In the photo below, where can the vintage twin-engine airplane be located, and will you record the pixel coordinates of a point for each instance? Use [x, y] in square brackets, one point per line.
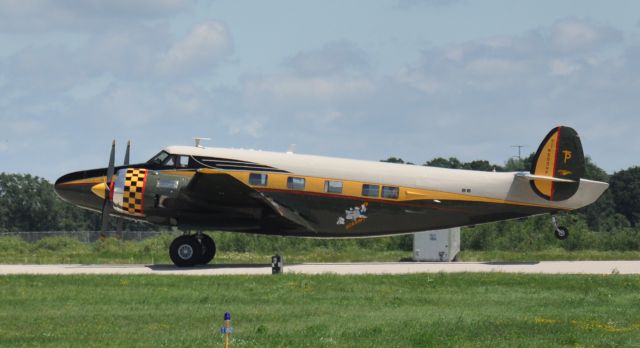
[197, 188]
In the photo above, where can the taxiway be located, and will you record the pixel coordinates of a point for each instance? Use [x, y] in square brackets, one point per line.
[546, 267]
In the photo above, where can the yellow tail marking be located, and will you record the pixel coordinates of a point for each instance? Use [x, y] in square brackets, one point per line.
[546, 164]
[567, 155]
[564, 172]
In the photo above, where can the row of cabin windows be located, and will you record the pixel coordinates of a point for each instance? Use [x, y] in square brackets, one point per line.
[296, 183]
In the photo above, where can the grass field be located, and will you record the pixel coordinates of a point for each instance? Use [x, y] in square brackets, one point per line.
[424, 310]
[155, 251]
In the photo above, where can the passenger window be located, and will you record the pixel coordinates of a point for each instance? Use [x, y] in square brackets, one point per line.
[295, 183]
[257, 179]
[183, 161]
[390, 192]
[370, 190]
[333, 186]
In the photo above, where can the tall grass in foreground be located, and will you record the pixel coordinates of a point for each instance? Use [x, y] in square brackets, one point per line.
[423, 310]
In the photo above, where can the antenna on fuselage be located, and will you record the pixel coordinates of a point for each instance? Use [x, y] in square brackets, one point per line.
[199, 141]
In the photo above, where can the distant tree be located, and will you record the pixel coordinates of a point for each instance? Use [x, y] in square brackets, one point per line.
[441, 162]
[625, 188]
[482, 165]
[454, 163]
[393, 160]
[396, 160]
[27, 203]
[601, 215]
[514, 164]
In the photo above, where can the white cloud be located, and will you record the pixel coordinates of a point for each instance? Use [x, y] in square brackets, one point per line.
[496, 67]
[48, 68]
[36, 16]
[561, 67]
[125, 8]
[250, 127]
[571, 35]
[128, 53]
[299, 90]
[199, 51]
[133, 53]
[333, 58]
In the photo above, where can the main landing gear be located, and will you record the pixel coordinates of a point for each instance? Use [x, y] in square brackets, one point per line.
[191, 250]
[561, 232]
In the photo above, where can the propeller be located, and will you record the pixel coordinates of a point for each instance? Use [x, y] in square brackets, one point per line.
[106, 204]
[126, 163]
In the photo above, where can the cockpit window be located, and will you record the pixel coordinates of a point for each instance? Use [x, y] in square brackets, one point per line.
[159, 158]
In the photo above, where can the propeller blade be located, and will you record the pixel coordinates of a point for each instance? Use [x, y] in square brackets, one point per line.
[105, 219]
[106, 205]
[120, 222]
[112, 161]
[126, 154]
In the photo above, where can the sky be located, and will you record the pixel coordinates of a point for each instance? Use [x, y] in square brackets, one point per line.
[415, 79]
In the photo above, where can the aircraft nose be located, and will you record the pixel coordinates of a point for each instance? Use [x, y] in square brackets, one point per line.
[75, 188]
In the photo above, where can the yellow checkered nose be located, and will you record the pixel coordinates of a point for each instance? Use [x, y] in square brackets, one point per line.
[128, 191]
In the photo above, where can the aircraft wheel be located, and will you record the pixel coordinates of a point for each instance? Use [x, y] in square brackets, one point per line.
[208, 249]
[562, 233]
[185, 251]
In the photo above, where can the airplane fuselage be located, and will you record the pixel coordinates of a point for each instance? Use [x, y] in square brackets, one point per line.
[314, 196]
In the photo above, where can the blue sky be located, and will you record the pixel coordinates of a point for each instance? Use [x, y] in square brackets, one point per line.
[410, 78]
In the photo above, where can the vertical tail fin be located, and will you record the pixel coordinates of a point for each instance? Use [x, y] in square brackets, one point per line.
[559, 156]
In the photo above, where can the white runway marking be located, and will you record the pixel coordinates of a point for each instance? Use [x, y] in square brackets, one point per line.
[546, 267]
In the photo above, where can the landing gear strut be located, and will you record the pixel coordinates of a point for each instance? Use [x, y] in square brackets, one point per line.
[190, 250]
[561, 232]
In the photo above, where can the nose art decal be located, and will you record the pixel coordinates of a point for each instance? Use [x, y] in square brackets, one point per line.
[134, 186]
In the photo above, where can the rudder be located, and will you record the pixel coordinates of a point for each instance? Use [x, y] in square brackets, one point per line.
[559, 156]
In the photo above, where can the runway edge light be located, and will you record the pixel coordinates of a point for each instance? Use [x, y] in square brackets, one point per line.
[276, 264]
[226, 329]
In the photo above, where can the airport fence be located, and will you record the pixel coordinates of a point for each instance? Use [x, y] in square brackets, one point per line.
[83, 236]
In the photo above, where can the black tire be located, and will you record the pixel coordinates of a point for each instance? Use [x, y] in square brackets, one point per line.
[208, 249]
[562, 233]
[185, 251]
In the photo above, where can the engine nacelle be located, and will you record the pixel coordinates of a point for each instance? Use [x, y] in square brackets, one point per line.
[140, 192]
[128, 191]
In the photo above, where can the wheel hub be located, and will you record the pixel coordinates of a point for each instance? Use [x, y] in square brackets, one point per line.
[185, 251]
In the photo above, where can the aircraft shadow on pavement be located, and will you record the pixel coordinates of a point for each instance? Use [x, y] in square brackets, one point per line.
[169, 267]
[514, 263]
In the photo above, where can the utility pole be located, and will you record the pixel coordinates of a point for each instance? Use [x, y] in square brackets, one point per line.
[519, 151]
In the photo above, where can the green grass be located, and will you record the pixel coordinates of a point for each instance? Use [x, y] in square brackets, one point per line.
[155, 251]
[424, 310]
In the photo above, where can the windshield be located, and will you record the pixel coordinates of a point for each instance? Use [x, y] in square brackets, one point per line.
[159, 158]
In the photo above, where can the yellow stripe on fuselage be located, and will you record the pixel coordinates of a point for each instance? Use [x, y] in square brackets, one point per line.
[278, 181]
[88, 181]
[350, 189]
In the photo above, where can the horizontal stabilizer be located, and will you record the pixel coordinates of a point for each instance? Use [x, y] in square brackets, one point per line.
[529, 176]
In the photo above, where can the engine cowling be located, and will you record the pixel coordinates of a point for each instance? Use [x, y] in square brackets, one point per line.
[128, 191]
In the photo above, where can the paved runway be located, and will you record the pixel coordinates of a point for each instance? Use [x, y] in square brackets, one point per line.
[547, 267]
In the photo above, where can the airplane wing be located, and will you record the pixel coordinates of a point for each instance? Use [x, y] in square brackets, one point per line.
[224, 191]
